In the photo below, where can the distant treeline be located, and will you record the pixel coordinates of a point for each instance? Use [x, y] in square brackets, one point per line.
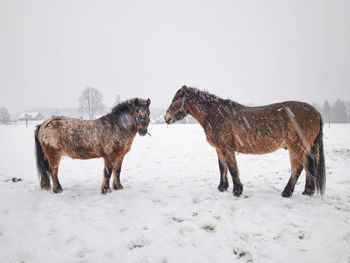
[337, 112]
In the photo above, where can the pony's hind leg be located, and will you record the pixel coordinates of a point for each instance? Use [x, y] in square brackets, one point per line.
[54, 161]
[223, 185]
[116, 175]
[296, 169]
[54, 158]
[107, 172]
[57, 188]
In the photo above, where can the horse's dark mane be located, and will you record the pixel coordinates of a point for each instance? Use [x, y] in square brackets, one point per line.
[202, 94]
[205, 96]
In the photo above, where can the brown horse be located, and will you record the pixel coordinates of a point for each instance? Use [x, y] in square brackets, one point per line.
[231, 127]
[109, 137]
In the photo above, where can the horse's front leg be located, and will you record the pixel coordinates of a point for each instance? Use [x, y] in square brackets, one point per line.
[230, 157]
[223, 185]
[107, 172]
[116, 175]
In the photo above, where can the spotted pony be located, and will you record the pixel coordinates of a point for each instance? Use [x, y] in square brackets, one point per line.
[109, 137]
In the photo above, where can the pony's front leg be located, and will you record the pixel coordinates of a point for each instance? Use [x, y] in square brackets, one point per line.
[116, 175]
[230, 157]
[223, 185]
[107, 172]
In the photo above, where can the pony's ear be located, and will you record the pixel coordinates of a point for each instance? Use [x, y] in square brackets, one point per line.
[183, 89]
[148, 102]
[136, 102]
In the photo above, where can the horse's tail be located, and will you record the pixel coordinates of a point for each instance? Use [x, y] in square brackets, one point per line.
[42, 163]
[316, 162]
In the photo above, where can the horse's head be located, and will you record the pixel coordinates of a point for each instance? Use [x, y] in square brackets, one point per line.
[141, 115]
[177, 109]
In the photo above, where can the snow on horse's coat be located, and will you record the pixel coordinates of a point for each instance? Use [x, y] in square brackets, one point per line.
[231, 127]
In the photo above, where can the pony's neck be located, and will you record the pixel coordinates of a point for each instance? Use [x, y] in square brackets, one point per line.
[124, 119]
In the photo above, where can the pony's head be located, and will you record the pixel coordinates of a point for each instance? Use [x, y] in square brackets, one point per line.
[140, 113]
[177, 109]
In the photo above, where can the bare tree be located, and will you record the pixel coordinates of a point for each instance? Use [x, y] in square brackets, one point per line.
[90, 102]
[4, 116]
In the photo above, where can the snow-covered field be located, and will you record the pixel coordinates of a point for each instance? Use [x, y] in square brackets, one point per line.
[170, 209]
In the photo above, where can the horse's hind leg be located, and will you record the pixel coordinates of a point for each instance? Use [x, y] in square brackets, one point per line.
[310, 179]
[107, 172]
[230, 158]
[116, 174]
[296, 160]
[223, 185]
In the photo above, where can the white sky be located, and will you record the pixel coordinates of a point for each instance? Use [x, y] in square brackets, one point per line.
[250, 51]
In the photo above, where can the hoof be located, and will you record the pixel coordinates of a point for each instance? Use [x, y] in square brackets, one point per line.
[237, 190]
[45, 186]
[105, 190]
[57, 189]
[222, 187]
[118, 187]
[309, 191]
[287, 194]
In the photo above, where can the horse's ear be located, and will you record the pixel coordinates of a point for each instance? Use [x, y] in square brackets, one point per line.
[184, 87]
[148, 102]
[136, 102]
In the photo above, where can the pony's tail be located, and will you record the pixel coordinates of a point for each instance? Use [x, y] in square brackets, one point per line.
[42, 164]
[317, 167]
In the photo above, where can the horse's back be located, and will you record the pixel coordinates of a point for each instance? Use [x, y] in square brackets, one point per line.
[297, 122]
[267, 128]
[304, 123]
[300, 113]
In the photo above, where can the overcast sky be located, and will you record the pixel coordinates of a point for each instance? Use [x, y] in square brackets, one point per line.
[250, 51]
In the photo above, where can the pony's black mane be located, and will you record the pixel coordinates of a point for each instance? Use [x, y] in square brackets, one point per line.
[127, 105]
[123, 106]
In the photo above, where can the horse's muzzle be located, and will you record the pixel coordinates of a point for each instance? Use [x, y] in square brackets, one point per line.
[169, 118]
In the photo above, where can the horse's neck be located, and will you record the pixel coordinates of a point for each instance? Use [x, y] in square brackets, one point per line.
[198, 111]
[209, 112]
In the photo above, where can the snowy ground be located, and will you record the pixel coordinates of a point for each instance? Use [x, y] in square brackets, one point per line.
[170, 209]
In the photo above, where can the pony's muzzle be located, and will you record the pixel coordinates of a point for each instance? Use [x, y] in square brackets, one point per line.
[142, 131]
[169, 119]
[141, 126]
